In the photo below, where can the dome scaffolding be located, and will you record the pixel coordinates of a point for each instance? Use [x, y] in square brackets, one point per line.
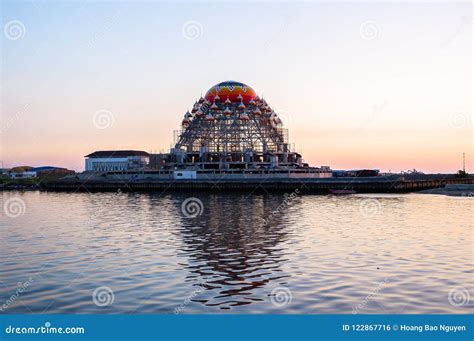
[231, 127]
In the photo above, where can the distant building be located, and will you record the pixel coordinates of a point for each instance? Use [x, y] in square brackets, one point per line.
[4, 171]
[22, 175]
[355, 173]
[50, 170]
[116, 160]
[36, 172]
[20, 172]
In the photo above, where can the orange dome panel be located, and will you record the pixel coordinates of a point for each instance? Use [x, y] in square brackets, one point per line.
[232, 90]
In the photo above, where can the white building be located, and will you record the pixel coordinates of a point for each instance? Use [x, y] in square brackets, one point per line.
[185, 174]
[23, 175]
[116, 160]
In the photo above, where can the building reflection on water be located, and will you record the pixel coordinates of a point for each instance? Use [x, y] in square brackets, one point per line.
[231, 252]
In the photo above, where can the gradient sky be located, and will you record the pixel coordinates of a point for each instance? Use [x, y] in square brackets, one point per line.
[359, 84]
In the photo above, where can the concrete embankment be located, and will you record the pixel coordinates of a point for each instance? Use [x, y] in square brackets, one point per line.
[457, 190]
[381, 184]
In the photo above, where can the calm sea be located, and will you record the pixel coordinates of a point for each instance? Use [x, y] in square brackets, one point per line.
[235, 253]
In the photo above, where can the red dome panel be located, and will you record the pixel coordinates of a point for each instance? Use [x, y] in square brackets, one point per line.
[231, 90]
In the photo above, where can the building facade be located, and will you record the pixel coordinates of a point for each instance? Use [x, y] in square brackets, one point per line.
[116, 160]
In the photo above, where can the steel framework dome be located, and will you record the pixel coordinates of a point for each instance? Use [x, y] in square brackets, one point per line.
[232, 118]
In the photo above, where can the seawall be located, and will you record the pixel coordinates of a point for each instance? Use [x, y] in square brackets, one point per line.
[392, 184]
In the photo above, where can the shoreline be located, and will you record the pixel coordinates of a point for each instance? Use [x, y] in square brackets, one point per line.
[381, 184]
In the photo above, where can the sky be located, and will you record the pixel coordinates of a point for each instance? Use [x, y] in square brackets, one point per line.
[384, 85]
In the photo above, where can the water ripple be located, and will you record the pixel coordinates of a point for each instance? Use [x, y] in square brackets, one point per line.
[321, 251]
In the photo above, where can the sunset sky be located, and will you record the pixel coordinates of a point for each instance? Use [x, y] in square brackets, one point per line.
[359, 84]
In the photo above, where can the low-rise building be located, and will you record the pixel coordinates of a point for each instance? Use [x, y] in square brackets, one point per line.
[27, 172]
[356, 173]
[20, 172]
[116, 160]
[4, 171]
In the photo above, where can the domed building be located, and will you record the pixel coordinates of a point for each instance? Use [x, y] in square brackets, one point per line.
[232, 129]
[231, 118]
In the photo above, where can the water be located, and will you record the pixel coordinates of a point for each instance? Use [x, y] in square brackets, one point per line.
[140, 253]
